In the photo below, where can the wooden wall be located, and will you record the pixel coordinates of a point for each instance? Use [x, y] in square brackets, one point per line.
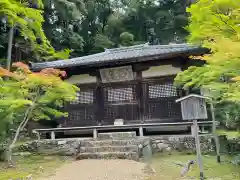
[150, 97]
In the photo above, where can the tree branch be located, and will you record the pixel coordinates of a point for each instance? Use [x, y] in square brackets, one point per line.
[27, 118]
[20, 128]
[226, 23]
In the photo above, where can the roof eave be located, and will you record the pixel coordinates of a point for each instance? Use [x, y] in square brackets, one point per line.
[192, 95]
[54, 64]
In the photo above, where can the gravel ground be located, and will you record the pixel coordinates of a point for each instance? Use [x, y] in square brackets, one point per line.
[100, 170]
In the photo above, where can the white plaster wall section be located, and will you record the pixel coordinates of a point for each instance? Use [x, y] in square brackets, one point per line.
[82, 79]
[163, 70]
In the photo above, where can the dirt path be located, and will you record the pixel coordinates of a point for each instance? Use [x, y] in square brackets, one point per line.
[100, 170]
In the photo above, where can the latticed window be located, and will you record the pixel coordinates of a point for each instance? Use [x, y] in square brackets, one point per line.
[82, 114]
[120, 94]
[162, 90]
[84, 97]
[120, 103]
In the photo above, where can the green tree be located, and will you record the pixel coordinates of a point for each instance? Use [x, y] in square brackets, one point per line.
[62, 24]
[157, 21]
[100, 43]
[35, 96]
[99, 24]
[215, 25]
[26, 18]
[126, 39]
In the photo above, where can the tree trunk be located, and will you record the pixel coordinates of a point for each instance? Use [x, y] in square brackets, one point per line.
[9, 150]
[8, 156]
[9, 53]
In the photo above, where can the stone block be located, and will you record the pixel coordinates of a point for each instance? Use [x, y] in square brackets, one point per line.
[108, 155]
[182, 143]
[129, 148]
[117, 135]
[107, 142]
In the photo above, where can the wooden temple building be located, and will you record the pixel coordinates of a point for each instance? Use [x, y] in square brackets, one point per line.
[133, 85]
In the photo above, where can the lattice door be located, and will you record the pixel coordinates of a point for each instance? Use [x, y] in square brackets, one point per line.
[120, 102]
[81, 112]
[161, 103]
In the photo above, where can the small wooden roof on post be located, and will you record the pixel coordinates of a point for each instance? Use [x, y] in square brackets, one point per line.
[193, 107]
[193, 95]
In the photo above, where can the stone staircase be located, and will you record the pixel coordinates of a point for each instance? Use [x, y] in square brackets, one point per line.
[116, 145]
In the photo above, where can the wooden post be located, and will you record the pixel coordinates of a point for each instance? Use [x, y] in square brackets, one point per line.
[38, 136]
[99, 111]
[141, 131]
[214, 133]
[95, 133]
[198, 150]
[52, 135]
[140, 95]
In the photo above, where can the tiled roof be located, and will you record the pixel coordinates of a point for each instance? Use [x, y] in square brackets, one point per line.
[124, 55]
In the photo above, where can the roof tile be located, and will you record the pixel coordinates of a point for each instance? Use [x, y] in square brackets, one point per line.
[123, 54]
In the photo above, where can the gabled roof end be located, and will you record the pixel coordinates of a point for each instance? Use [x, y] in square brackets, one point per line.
[192, 95]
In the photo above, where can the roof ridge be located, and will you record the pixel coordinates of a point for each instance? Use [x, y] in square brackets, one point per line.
[127, 47]
[76, 58]
[89, 56]
[172, 45]
[147, 46]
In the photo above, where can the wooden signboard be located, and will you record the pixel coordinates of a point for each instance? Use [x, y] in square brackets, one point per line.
[117, 74]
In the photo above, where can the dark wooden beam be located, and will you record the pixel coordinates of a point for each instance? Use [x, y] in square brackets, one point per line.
[141, 67]
[99, 101]
[95, 73]
[140, 95]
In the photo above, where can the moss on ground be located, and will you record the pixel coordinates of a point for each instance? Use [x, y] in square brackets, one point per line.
[37, 166]
[166, 169]
[229, 134]
[163, 164]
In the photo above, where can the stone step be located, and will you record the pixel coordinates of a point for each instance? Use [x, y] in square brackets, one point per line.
[129, 148]
[117, 135]
[110, 142]
[109, 155]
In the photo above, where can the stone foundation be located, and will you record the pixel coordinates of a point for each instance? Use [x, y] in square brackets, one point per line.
[50, 147]
[182, 143]
[141, 146]
[120, 148]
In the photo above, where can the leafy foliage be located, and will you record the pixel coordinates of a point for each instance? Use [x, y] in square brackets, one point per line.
[98, 24]
[32, 95]
[26, 17]
[236, 160]
[215, 25]
[82, 27]
[24, 89]
[228, 114]
[126, 39]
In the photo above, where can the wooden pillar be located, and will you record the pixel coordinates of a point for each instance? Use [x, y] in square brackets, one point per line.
[38, 136]
[140, 95]
[99, 102]
[95, 135]
[141, 131]
[52, 135]
[184, 66]
[214, 133]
